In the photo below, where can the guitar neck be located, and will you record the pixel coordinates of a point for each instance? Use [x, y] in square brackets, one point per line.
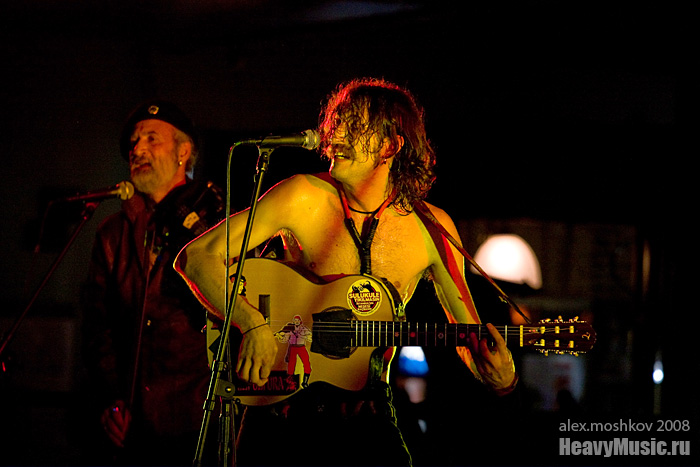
[398, 334]
[559, 336]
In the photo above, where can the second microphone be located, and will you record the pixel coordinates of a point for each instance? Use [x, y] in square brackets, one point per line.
[309, 139]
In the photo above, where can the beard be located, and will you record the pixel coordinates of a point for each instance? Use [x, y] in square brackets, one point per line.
[148, 178]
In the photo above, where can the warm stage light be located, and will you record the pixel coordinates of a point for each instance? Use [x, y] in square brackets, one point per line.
[509, 258]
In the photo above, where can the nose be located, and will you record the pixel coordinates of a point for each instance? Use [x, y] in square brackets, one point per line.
[339, 133]
[136, 148]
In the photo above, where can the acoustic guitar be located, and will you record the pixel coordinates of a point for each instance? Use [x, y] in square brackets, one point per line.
[346, 331]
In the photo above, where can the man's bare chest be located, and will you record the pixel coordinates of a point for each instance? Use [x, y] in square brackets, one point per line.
[397, 249]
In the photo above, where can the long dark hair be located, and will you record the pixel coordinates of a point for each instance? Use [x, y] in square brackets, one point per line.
[374, 106]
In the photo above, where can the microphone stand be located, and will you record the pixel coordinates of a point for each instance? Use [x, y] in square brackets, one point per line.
[86, 215]
[219, 387]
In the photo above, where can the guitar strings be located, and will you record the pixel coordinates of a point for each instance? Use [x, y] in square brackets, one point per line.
[369, 326]
[369, 333]
[532, 327]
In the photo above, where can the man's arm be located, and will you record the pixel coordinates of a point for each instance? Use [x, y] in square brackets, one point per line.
[492, 364]
[202, 263]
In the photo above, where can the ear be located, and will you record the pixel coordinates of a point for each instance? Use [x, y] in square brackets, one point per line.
[398, 144]
[391, 147]
[184, 152]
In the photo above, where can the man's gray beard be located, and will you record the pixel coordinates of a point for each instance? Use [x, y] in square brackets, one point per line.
[146, 184]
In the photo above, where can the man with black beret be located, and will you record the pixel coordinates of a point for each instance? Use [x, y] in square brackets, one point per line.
[144, 346]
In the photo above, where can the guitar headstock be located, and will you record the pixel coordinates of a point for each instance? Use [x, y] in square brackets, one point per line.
[560, 336]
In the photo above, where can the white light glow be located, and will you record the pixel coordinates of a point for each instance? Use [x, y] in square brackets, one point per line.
[509, 258]
[658, 373]
[413, 353]
[412, 361]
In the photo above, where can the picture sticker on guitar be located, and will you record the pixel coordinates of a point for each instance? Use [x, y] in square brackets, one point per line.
[363, 297]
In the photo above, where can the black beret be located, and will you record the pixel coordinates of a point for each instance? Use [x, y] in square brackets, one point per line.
[156, 109]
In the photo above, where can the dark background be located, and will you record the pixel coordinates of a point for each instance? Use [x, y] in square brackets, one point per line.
[569, 123]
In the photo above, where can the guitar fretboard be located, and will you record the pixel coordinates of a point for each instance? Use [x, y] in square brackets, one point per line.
[398, 334]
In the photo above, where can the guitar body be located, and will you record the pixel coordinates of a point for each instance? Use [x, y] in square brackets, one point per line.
[294, 303]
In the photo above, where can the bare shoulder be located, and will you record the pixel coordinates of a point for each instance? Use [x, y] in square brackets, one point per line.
[442, 216]
[304, 185]
[321, 181]
[297, 201]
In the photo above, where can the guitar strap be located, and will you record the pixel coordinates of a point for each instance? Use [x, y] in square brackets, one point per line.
[431, 223]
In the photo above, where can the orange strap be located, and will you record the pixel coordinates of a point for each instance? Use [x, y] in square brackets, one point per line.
[424, 214]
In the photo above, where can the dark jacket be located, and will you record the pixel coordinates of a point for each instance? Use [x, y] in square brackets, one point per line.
[172, 375]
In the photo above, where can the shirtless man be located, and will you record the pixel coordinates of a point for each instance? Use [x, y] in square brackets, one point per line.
[381, 165]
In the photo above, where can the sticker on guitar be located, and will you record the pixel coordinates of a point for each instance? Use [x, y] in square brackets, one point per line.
[296, 335]
[363, 298]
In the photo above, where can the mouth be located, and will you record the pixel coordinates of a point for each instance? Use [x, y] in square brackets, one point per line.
[340, 152]
[140, 166]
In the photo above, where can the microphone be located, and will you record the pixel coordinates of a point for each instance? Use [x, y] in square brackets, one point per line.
[309, 139]
[122, 190]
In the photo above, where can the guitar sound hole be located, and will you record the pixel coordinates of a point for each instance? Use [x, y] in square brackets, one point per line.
[332, 333]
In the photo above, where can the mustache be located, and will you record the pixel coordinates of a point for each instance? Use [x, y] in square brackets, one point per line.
[137, 158]
[345, 149]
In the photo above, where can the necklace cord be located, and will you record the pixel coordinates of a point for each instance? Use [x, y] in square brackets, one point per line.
[364, 246]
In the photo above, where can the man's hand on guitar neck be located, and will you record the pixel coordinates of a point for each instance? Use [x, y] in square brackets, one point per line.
[494, 362]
